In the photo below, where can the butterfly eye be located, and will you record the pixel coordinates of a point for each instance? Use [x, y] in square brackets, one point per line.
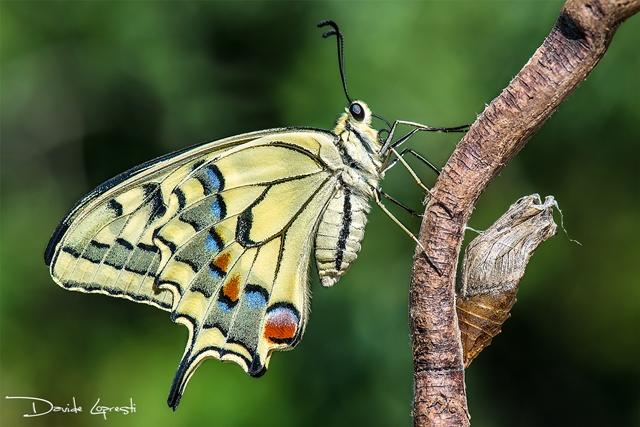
[357, 112]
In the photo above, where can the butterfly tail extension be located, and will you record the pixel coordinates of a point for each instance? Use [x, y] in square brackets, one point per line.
[200, 347]
[179, 382]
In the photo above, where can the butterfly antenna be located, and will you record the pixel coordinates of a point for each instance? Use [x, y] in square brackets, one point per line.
[383, 119]
[335, 31]
[385, 131]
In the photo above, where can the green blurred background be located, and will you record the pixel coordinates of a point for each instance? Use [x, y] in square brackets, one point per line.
[88, 90]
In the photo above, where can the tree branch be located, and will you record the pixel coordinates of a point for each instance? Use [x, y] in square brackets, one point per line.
[574, 46]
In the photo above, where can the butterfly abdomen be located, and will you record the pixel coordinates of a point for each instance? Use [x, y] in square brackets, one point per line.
[339, 234]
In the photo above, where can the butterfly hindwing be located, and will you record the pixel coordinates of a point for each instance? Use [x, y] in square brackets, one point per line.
[251, 299]
[219, 235]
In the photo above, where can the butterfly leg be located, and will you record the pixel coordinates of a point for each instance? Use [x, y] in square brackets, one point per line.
[377, 195]
[395, 162]
[411, 171]
[420, 126]
[417, 127]
[418, 156]
[398, 203]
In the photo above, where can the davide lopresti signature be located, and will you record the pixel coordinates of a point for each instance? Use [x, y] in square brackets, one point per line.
[38, 407]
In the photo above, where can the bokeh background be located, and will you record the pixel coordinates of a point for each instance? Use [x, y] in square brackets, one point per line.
[89, 89]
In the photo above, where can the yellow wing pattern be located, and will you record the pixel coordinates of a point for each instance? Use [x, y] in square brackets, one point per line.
[220, 235]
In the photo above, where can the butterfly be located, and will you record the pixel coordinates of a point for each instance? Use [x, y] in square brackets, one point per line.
[221, 234]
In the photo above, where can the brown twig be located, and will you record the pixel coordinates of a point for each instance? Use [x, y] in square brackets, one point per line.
[574, 46]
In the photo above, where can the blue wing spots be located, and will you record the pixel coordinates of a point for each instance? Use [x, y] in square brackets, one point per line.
[209, 176]
[215, 272]
[216, 181]
[218, 208]
[256, 296]
[224, 306]
[255, 300]
[213, 242]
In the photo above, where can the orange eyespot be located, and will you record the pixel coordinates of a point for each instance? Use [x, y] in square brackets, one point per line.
[222, 261]
[281, 324]
[231, 289]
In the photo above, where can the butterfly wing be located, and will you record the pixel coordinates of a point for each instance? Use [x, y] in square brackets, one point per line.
[220, 235]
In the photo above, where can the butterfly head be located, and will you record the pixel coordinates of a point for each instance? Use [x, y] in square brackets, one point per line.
[358, 143]
[357, 118]
[354, 128]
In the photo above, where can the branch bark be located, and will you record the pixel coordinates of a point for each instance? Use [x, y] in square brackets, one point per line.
[574, 46]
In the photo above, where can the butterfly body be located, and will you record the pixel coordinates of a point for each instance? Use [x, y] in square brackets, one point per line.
[221, 235]
[341, 228]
